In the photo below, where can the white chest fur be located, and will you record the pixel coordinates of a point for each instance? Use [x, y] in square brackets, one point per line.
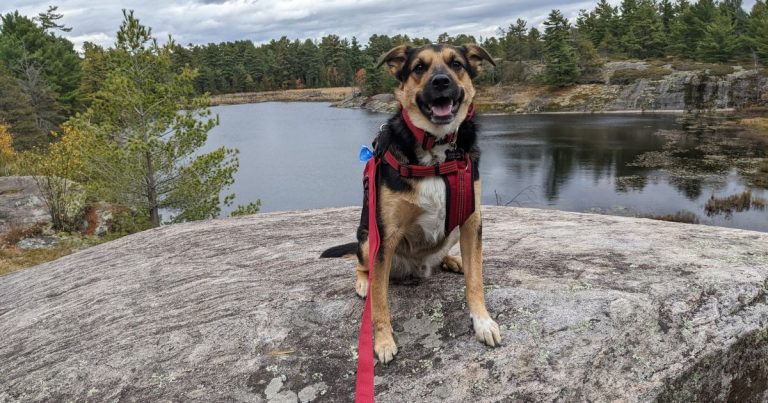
[431, 196]
[431, 199]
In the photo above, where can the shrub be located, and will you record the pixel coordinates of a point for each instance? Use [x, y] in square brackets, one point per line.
[629, 76]
[709, 68]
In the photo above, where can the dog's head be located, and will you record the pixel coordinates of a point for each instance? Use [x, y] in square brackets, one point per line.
[436, 82]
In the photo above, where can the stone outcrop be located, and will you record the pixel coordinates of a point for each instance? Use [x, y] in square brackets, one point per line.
[592, 308]
[617, 86]
[21, 203]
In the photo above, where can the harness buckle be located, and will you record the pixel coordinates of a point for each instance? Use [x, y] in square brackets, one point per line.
[454, 154]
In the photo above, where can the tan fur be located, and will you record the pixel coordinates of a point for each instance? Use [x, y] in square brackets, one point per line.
[406, 93]
[404, 240]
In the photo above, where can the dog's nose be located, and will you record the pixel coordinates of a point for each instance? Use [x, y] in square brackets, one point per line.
[441, 81]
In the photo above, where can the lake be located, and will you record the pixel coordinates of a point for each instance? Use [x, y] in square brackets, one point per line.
[304, 155]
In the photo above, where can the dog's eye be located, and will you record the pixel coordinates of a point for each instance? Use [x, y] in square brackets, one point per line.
[456, 65]
[419, 68]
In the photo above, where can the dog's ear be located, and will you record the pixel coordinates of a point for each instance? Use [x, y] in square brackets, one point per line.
[395, 60]
[475, 56]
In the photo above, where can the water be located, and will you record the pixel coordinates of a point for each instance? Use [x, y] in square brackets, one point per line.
[304, 155]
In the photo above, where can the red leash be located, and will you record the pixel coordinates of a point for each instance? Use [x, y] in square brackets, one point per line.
[461, 205]
[364, 385]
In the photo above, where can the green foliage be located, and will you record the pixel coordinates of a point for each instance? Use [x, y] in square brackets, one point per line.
[561, 69]
[710, 68]
[757, 31]
[16, 110]
[628, 76]
[377, 81]
[248, 209]
[152, 124]
[45, 63]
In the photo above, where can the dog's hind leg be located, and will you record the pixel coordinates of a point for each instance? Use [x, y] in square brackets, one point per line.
[452, 264]
[445, 260]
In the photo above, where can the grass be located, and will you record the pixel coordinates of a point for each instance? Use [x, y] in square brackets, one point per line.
[305, 94]
[629, 76]
[711, 68]
[13, 258]
[761, 124]
[681, 216]
[735, 203]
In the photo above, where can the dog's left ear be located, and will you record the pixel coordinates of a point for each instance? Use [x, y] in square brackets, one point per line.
[395, 60]
[475, 56]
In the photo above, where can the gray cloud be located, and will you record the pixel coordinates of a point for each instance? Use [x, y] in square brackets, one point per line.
[205, 21]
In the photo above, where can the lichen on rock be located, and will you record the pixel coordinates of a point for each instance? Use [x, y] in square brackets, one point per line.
[591, 308]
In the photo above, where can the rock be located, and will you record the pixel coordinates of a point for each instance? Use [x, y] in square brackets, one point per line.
[593, 308]
[377, 103]
[41, 242]
[20, 202]
[99, 218]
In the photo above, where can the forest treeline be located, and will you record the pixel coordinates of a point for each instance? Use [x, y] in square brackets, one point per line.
[124, 124]
[704, 30]
[44, 81]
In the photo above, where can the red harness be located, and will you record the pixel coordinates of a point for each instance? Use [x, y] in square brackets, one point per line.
[460, 197]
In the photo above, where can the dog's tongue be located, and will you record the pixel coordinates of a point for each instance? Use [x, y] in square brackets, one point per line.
[442, 110]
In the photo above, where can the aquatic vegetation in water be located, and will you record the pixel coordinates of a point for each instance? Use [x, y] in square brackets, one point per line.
[631, 182]
[696, 156]
[686, 217]
[735, 203]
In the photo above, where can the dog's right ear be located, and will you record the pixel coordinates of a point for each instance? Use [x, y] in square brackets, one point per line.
[395, 60]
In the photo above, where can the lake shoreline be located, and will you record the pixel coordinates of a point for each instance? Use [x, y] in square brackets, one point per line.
[339, 97]
[334, 94]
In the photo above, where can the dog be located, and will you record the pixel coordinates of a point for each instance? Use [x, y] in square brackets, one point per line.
[435, 92]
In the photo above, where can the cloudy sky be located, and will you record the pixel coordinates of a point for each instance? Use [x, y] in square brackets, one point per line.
[204, 21]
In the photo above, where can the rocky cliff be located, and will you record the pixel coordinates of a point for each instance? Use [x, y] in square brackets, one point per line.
[592, 308]
[618, 86]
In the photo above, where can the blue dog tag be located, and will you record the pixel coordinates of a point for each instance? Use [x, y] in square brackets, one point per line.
[365, 154]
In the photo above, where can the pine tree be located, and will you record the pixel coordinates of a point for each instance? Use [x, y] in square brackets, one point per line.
[720, 41]
[561, 69]
[28, 48]
[757, 30]
[150, 114]
[515, 41]
[16, 110]
[644, 35]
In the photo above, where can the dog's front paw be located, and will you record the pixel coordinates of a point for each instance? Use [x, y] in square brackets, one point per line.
[385, 348]
[452, 263]
[487, 331]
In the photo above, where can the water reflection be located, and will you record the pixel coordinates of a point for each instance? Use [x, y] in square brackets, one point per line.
[304, 155]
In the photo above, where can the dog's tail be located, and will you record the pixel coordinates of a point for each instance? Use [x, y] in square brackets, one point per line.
[348, 250]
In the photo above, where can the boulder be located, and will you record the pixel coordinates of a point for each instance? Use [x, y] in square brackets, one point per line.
[592, 308]
[21, 202]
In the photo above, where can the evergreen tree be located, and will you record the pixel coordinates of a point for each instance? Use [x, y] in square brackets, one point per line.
[156, 125]
[644, 36]
[16, 110]
[515, 41]
[667, 14]
[757, 30]
[561, 69]
[720, 41]
[535, 44]
[29, 51]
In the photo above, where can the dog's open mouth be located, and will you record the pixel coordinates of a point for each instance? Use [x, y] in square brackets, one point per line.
[441, 110]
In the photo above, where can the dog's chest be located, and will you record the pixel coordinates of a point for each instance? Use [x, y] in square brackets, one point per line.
[431, 197]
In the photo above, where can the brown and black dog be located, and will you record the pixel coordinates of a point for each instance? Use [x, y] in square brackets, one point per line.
[436, 91]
